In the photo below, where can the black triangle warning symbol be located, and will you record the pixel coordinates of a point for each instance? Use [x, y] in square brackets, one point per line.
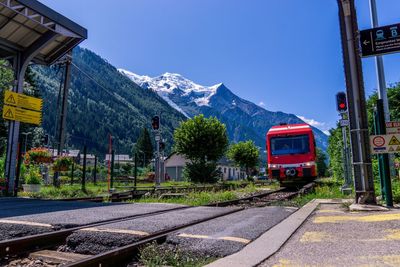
[394, 141]
[9, 114]
[11, 100]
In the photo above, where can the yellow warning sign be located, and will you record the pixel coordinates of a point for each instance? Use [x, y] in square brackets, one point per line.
[391, 149]
[398, 148]
[22, 115]
[394, 141]
[23, 101]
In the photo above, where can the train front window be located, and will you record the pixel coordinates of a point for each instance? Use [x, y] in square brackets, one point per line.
[287, 145]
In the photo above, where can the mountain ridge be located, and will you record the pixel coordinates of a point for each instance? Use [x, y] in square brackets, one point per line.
[244, 119]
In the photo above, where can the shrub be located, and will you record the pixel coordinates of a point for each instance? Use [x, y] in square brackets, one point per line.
[33, 175]
[62, 163]
[201, 172]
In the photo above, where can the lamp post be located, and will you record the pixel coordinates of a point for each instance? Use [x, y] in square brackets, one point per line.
[26, 139]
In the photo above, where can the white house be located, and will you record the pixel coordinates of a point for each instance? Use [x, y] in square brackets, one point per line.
[175, 163]
[119, 159]
[90, 158]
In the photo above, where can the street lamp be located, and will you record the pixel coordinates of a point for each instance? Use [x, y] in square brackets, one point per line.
[26, 139]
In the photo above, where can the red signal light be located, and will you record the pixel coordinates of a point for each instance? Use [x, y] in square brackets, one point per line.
[341, 102]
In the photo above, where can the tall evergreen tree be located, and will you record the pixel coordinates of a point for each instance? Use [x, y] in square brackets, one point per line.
[144, 148]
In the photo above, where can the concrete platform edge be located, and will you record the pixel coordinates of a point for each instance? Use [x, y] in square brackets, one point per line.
[257, 251]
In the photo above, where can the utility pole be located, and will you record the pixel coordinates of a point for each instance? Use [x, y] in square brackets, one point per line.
[380, 73]
[64, 105]
[84, 169]
[359, 136]
[95, 170]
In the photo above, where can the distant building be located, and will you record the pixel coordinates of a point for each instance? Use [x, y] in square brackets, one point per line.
[119, 159]
[74, 154]
[175, 163]
[90, 158]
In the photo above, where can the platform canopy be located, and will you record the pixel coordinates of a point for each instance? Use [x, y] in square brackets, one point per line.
[26, 25]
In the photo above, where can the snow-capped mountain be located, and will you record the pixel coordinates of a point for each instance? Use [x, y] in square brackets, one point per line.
[244, 120]
[173, 85]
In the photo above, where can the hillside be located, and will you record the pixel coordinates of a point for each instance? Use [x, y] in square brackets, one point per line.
[109, 103]
[244, 119]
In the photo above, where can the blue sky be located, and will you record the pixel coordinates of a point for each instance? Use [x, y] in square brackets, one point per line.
[284, 55]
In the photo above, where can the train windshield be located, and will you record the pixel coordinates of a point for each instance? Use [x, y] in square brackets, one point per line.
[298, 144]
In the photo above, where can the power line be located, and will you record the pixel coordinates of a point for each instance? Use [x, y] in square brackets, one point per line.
[101, 86]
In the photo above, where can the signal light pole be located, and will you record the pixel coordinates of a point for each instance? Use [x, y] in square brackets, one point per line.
[359, 136]
[155, 123]
[341, 105]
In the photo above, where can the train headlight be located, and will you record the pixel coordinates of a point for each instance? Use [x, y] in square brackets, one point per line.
[309, 164]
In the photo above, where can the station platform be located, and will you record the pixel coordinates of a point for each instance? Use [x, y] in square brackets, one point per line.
[325, 233]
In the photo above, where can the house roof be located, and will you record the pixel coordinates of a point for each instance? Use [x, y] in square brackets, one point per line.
[119, 157]
[24, 24]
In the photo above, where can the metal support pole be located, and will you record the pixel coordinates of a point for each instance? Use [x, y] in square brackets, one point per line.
[112, 169]
[346, 188]
[20, 64]
[157, 161]
[95, 170]
[64, 105]
[135, 171]
[84, 169]
[359, 136]
[384, 170]
[380, 73]
[72, 173]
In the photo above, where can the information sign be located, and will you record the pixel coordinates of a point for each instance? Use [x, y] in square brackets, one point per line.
[392, 127]
[22, 115]
[388, 143]
[381, 40]
[22, 101]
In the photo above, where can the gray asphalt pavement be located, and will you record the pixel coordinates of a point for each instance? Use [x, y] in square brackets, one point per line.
[56, 215]
[106, 237]
[229, 234]
[333, 236]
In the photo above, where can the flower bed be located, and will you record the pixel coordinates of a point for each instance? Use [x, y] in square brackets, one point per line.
[38, 155]
[62, 163]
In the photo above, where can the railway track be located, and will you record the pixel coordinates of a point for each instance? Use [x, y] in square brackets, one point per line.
[138, 192]
[123, 255]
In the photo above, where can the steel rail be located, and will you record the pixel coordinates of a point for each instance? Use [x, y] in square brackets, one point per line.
[122, 255]
[21, 245]
[236, 201]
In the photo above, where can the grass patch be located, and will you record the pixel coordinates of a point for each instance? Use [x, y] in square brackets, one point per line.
[154, 255]
[67, 191]
[204, 198]
[328, 189]
[395, 190]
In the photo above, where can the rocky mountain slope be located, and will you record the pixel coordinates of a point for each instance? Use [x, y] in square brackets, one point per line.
[244, 119]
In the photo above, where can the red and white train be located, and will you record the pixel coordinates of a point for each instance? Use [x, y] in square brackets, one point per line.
[291, 153]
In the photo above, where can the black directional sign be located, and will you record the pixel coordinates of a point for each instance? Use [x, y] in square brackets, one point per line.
[381, 40]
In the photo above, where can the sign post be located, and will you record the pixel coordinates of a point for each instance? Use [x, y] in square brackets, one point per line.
[19, 107]
[380, 40]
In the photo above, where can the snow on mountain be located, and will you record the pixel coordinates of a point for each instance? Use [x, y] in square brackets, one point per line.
[173, 83]
[244, 119]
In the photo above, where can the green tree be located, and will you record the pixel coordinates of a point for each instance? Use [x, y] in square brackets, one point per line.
[321, 163]
[244, 154]
[335, 150]
[6, 79]
[203, 141]
[144, 148]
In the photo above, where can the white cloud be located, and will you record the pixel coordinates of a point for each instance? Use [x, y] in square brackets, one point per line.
[312, 122]
[326, 132]
[261, 104]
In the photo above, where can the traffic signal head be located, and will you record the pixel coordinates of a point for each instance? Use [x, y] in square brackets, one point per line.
[155, 123]
[341, 102]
